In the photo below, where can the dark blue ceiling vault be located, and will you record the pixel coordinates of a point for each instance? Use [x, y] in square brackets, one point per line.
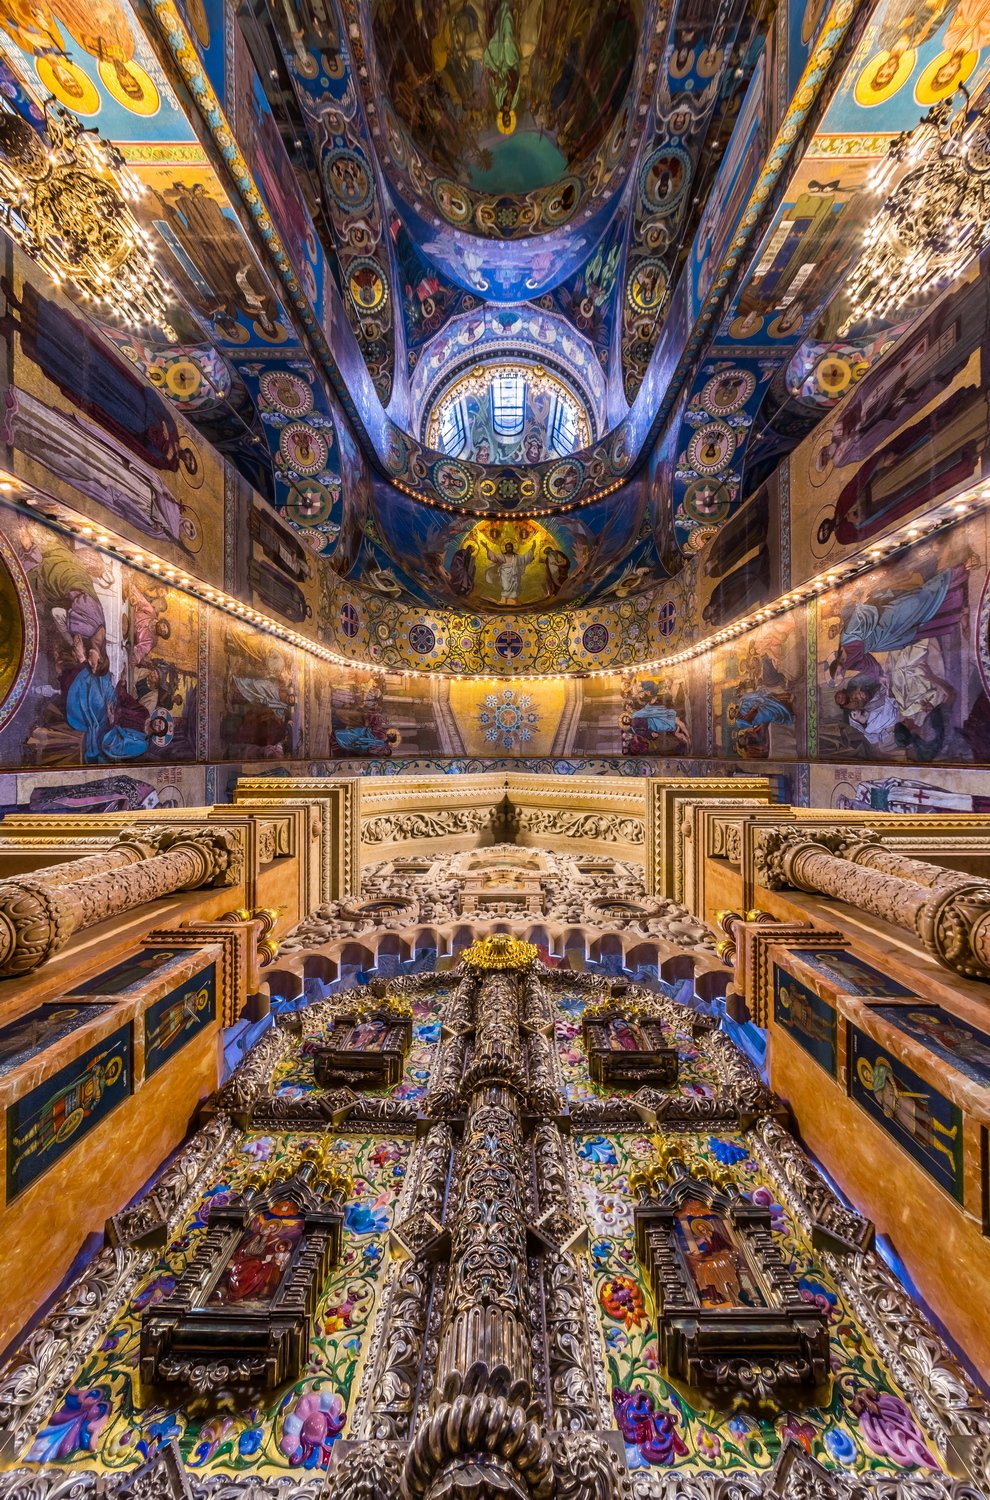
[632, 194]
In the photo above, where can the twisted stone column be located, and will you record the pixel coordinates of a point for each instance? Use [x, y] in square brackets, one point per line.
[949, 911]
[41, 911]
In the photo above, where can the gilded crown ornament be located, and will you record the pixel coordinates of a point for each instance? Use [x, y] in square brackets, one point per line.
[67, 202]
[499, 951]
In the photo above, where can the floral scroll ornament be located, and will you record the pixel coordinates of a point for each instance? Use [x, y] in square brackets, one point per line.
[508, 719]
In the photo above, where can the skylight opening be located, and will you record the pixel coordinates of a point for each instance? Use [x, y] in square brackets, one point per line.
[509, 413]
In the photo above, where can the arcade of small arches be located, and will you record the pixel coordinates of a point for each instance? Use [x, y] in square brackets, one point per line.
[582, 913]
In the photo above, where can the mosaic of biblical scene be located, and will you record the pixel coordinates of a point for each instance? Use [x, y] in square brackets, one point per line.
[921, 1119]
[805, 1016]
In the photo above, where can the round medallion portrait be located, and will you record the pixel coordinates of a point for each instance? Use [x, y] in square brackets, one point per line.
[646, 285]
[303, 448]
[663, 179]
[728, 392]
[453, 480]
[348, 180]
[366, 285]
[452, 202]
[561, 201]
[711, 448]
[563, 481]
[285, 393]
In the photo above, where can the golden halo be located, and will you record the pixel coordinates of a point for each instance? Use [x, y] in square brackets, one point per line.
[833, 374]
[506, 129]
[867, 94]
[197, 15]
[86, 102]
[148, 103]
[928, 91]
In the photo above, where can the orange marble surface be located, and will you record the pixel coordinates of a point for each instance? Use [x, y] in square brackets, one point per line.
[940, 1241]
[44, 1228]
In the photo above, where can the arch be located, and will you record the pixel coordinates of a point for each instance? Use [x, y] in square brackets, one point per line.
[575, 942]
[283, 984]
[643, 956]
[391, 945]
[681, 966]
[609, 945]
[356, 956]
[463, 938]
[319, 966]
[713, 984]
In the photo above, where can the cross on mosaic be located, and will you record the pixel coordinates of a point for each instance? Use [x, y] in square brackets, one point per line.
[495, 750]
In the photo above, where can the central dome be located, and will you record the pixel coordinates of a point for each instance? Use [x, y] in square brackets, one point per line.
[506, 96]
[508, 412]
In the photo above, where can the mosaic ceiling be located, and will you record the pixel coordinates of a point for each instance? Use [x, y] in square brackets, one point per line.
[355, 204]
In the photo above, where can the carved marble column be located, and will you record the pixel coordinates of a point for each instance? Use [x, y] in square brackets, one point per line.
[574, 1404]
[486, 1316]
[874, 855]
[41, 911]
[951, 917]
[395, 1377]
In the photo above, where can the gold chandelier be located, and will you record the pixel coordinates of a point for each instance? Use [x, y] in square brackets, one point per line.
[935, 220]
[67, 204]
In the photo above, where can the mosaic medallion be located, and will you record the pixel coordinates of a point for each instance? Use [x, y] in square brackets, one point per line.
[728, 392]
[310, 504]
[452, 202]
[711, 448]
[595, 638]
[706, 501]
[563, 481]
[663, 179]
[421, 638]
[367, 285]
[285, 393]
[303, 448]
[508, 643]
[454, 481]
[646, 285]
[348, 180]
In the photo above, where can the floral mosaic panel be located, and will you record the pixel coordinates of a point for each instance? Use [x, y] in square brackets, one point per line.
[107, 1421]
[294, 1075]
[695, 1074]
[866, 1427]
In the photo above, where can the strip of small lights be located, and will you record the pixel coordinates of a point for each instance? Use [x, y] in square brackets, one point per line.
[31, 502]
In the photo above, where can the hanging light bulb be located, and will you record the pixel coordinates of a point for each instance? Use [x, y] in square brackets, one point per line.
[68, 205]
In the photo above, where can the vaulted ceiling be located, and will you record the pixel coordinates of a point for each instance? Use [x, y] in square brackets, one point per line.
[653, 203]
